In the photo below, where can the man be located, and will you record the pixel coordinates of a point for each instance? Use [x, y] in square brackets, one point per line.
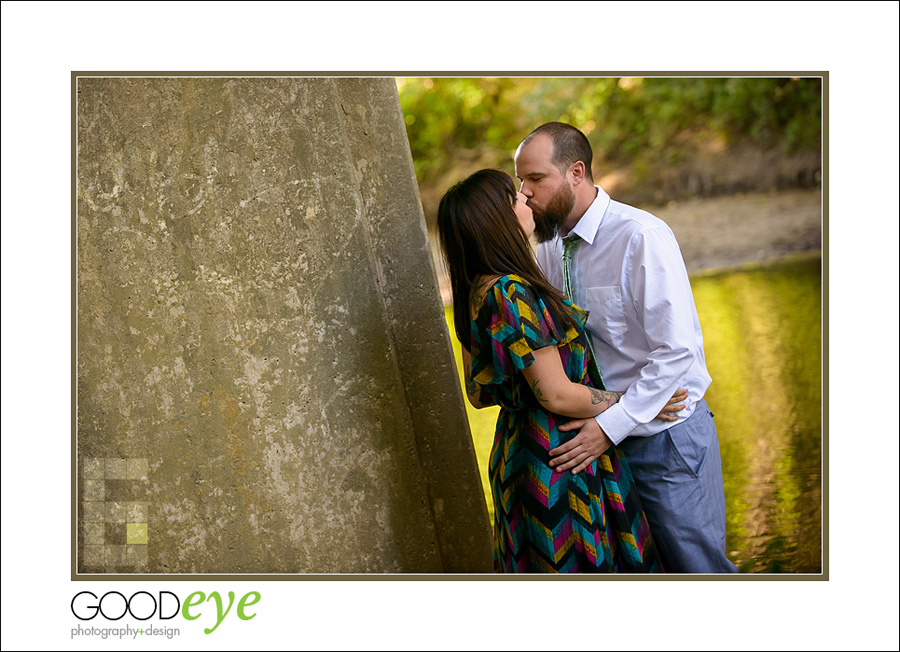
[625, 267]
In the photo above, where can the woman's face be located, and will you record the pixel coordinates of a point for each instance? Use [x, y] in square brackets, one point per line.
[524, 215]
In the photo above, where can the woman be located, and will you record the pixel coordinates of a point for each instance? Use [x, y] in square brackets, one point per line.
[525, 349]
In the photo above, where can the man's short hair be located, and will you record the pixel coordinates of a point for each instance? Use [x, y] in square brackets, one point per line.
[569, 145]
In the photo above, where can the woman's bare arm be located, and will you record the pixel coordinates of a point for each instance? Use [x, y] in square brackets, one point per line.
[558, 394]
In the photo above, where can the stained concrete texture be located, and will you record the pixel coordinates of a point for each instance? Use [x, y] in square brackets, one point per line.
[265, 383]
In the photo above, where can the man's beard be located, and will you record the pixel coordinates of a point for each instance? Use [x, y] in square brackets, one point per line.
[548, 219]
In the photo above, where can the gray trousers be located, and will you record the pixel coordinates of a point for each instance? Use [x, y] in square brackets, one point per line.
[678, 475]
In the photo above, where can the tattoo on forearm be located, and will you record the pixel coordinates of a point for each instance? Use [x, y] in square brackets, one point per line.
[537, 391]
[599, 397]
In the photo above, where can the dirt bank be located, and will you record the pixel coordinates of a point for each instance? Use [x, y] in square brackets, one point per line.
[742, 228]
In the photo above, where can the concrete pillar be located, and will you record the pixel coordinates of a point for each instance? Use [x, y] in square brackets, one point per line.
[264, 379]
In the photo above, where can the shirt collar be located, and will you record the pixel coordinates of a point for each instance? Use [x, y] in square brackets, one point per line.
[587, 226]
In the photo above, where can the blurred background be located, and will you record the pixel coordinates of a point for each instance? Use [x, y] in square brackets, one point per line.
[733, 165]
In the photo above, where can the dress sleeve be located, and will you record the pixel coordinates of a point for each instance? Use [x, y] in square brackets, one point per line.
[512, 323]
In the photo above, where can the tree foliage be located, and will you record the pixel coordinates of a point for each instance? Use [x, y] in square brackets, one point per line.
[632, 123]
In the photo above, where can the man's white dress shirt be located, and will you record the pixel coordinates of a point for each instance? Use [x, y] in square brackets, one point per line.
[630, 275]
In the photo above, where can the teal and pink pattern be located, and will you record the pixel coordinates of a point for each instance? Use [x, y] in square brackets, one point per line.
[546, 521]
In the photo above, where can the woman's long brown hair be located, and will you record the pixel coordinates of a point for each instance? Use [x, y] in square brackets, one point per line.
[481, 236]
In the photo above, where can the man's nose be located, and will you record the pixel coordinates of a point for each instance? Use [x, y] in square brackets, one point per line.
[526, 190]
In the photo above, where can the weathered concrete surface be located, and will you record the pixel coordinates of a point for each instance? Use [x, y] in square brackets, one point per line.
[260, 337]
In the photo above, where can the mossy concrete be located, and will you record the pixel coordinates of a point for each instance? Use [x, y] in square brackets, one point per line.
[260, 329]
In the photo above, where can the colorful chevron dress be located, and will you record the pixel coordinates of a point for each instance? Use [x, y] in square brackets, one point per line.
[546, 521]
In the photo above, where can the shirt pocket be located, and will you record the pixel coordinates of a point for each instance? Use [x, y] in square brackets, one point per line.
[607, 318]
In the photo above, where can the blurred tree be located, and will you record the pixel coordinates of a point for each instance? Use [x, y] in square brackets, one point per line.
[656, 133]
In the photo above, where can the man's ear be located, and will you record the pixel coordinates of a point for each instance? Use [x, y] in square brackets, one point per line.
[577, 170]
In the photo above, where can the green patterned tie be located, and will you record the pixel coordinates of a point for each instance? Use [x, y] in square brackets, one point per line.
[569, 246]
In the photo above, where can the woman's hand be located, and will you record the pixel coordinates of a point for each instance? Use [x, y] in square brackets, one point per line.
[674, 405]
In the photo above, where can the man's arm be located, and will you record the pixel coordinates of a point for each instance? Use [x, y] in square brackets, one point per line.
[661, 294]
[591, 442]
